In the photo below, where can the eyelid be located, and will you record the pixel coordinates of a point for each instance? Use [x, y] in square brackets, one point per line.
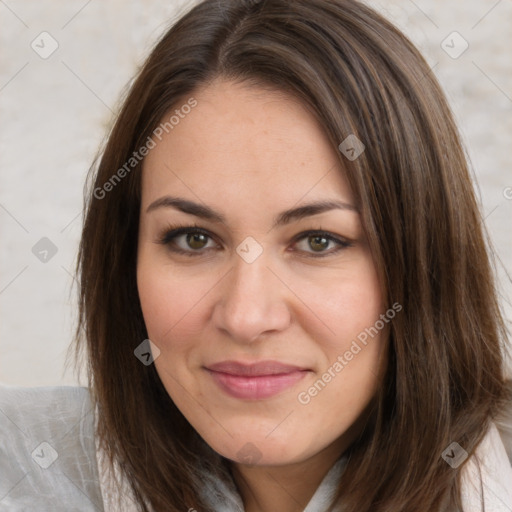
[342, 242]
[172, 232]
[320, 232]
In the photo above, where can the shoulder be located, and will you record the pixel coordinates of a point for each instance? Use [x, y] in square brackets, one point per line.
[43, 397]
[47, 449]
[487, 476]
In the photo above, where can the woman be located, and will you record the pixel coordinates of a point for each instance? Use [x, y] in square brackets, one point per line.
[286, 297]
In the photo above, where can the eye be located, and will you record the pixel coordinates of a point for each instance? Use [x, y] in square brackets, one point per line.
[189, 240]
[320, 243]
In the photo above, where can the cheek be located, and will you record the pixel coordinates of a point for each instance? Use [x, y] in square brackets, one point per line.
[344, 305]
[173, 312]
[172, 304]
[353, 351]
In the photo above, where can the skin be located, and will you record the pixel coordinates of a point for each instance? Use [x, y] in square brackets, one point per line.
[249, 153]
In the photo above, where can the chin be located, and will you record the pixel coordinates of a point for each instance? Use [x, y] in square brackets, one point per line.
[256, 450]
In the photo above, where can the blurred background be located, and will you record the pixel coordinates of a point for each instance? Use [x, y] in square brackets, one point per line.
[64, 66]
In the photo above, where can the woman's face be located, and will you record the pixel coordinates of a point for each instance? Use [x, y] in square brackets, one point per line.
[257, 314]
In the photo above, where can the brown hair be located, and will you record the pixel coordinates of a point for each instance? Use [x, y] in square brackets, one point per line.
[359, 75]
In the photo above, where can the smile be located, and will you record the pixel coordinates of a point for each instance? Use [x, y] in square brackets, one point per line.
[256, 381]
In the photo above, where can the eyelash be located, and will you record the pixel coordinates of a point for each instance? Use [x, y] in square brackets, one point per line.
[173, 232]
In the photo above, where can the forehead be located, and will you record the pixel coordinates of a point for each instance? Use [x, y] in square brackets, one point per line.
[247, 142]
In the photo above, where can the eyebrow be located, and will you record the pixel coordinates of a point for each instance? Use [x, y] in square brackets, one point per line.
[286, 217]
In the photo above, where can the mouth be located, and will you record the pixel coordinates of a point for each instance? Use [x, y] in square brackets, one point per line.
[255, 381]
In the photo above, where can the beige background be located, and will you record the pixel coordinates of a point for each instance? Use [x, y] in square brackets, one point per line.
[54, 113]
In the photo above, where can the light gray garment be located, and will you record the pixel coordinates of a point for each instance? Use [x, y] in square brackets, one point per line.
[49, 460]
[47, 450]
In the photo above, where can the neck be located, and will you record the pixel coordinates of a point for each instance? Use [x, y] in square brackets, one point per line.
[285, 488]
[289, 488]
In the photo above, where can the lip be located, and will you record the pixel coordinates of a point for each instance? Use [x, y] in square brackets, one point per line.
[255, 381]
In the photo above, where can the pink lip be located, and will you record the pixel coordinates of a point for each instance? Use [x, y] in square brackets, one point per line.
[255, 381]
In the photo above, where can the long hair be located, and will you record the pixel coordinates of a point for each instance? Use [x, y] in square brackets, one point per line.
[360, 76]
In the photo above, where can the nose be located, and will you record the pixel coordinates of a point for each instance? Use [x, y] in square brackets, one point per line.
[252, 302]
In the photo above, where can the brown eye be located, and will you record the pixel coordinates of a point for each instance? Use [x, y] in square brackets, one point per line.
[188, 240]
[197, 240]
[318, 243]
